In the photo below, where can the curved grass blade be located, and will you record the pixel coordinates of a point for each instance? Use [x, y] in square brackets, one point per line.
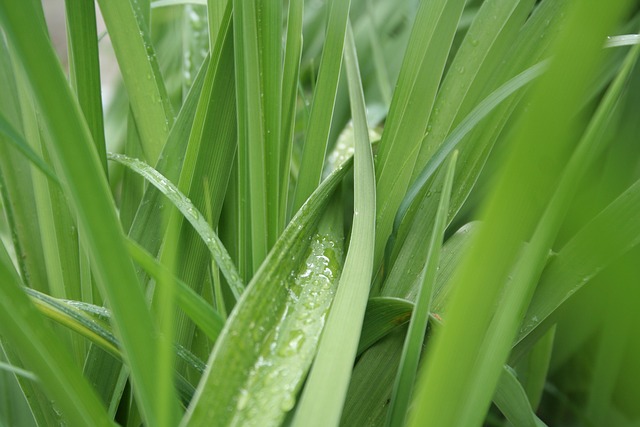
[197, 220]
[198, 310]
[75, 158]
[269, 339]
[383, 315]
[323, 397]
[21, 145]
[79, 318]
[513, 402]
[412, 348]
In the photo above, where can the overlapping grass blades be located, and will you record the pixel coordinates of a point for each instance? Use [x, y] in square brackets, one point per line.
[495, 238]
[76, 160]
[276, 324]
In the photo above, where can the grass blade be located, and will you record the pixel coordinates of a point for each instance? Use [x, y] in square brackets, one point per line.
[323, 397]
[84, 69]
[324, 97]
[383, 315]
[195, 218]
[41, 351]
[412, 349]
[129, 34]
[413, 99]
[251, 335]
[513, 402]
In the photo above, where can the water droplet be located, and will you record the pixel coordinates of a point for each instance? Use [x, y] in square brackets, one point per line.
[288, 403]
[193, 212]
[243, 399]
[473, 41]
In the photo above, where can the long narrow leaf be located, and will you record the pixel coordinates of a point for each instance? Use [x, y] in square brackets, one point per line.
[323, 397]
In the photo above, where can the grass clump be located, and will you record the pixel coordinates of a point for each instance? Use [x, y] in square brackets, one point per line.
[321, 213]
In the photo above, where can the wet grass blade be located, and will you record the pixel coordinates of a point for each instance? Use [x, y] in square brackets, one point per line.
[323, 397]
[269, 339]
[191, 214]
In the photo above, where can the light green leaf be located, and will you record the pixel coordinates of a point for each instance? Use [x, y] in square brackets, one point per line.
[323, 397]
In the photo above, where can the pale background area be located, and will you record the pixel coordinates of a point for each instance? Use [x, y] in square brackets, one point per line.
[55, 14]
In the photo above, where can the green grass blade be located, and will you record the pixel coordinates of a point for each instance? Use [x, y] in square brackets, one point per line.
[593, 248]
[39, 405]
[198, 310]
[413, 99]
[18, 371]
[269, 25]
[383, 315]
[290, 79]
[212, 144]
[41, 352]
[91, 322]
[512, 401]
[245, 17]
[129, 34]
[506, 60]
[84, 68]
[323, 397]
[265, 326]
[12, 137]
[534, 369]
[195, 218]
[412, 348]
[324, 97]
[75, 158]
